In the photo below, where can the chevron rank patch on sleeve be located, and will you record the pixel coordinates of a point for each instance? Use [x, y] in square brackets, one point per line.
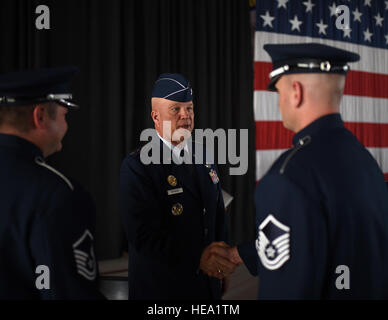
[273, 243]
[84, 256]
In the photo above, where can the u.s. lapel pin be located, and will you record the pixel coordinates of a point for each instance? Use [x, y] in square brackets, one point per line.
[213, 175]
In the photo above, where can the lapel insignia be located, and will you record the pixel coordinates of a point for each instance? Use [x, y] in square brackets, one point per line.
[273, 243]
[172, 181]
[207, 165]
[213, 175]
[177, 209]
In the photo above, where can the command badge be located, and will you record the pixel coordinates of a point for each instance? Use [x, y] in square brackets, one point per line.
[213, 175]
[273, 243]
[177, 209]
[172, 181]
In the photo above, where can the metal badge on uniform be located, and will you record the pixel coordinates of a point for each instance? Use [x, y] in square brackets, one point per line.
[273, 243]
[174, 191]
[172, 181]
[213, 175]
[177, 209]
[207, 165]
[84, 256]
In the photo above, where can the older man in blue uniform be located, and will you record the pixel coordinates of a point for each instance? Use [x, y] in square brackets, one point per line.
[322, 208]
[46, 220]
[173, 208]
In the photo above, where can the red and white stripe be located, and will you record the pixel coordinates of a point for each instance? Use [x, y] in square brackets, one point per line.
[364, 107]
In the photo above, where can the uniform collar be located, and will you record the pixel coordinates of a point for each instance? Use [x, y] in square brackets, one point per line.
[176, 151]
[19, 145]
[327, 122]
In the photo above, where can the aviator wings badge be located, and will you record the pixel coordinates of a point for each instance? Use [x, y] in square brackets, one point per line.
[273, 243]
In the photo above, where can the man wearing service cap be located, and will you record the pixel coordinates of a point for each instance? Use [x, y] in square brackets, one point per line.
[46, 220]
[322, 208]
[173, 210]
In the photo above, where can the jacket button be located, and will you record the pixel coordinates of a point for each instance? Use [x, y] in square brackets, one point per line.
[206, 231]
[204, 211]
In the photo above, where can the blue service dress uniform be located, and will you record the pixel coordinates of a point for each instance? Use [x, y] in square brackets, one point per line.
[45, 220]
[322, 205]
[165, 243]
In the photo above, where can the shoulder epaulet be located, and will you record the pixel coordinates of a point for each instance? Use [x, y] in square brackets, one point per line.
[39, 161]
[301, 143]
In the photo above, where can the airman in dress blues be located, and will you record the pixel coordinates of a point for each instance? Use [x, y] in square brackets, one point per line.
[322, 208]
[46, 219]
[173, 212]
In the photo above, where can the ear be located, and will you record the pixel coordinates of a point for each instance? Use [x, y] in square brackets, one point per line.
[39, 117]
[297, 94]
[155, 117]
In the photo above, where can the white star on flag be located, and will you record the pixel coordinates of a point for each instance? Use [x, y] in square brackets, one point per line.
[386, 5]
[322, 27]
[347, 32]
[367, 3]
[367, 35]
[379, 20]
[357, 15]
[309, 5]
[333, 9]
[267, 19]
[295, 23]
[282, 3]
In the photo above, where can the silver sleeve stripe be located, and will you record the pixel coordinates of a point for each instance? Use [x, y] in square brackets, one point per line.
[281, 238]
[279, 244]
[80, 262]
[80, 253]
[88, 275]
[40, 162]
[280, 250]
[277, 265]
[79, 257]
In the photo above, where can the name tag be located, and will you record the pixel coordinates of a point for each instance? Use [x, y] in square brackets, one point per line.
[174, 191]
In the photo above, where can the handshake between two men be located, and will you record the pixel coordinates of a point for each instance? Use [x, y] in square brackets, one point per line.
[219, 260]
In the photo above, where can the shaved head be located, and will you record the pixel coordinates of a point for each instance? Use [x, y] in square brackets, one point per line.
[305, 97]
[321, 89]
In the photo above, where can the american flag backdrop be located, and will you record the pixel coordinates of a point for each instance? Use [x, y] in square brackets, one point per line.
[364, 107]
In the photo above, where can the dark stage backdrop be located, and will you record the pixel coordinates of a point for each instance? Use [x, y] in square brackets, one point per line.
[121, 46]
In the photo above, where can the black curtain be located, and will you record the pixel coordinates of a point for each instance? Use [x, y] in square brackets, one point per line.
[121, 46]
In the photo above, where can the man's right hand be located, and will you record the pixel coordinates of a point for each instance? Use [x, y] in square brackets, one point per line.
[219, 260]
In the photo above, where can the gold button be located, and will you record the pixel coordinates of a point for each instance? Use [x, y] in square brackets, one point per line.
[172, 181]
[177, 209]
